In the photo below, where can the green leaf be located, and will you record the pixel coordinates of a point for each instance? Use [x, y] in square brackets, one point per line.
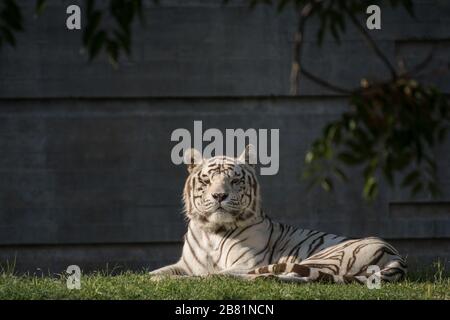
[416, 189]
[124, 41]
[92, 26]
[8, 36]
[387, 170]
[340, 174]
[349, 159]
[97, 43]
[309, 157]
[113, 52]
[312, 183]
[409, 6]
[327, 184]
[356, 147]
[442, 134]
[370, 190]
[400, 160]
[90, 4]
[282, 4]
[411, 178]
[368, 172]
[12, 16]
[434, 189]
[40, 6]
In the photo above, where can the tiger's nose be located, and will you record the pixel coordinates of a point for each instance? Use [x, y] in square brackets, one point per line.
[219, 197]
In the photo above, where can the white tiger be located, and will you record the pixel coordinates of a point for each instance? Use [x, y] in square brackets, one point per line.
[228, 233]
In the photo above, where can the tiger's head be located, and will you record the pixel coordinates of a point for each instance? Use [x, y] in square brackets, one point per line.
[221, 193]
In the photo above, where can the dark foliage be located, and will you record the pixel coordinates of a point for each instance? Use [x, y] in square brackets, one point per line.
[389, 131]
[11, 21]
[107, 28]
[391, 127]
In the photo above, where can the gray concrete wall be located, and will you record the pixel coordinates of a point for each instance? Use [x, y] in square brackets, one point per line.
[85, 170]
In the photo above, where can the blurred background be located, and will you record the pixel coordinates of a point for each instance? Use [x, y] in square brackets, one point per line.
[86, 176]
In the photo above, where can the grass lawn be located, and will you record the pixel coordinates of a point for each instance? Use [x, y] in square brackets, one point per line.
[138, 286]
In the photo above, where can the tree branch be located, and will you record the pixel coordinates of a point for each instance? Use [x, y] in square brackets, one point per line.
[297, 67]
[324, 83]
[422, 65]
[372, 44]
[298, 46]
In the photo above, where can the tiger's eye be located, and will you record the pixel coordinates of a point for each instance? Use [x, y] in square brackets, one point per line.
[235, 181]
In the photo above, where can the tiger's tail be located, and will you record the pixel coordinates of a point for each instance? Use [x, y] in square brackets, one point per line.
[294, 272]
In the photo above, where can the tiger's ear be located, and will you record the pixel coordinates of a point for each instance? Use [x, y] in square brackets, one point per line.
[248, 156]
[192, 158]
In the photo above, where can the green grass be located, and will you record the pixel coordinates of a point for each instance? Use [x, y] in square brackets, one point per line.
[139, 286]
